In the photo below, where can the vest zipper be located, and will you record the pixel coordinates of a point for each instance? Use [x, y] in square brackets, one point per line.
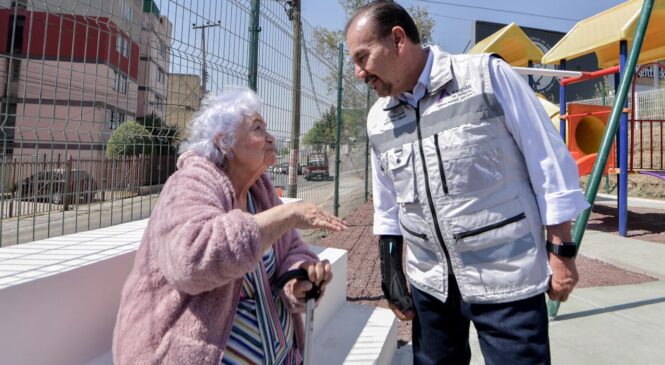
[477, 231]
[428, 191]
[442, 172]
[415, 234]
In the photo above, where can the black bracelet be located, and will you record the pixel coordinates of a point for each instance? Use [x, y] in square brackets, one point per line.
[565, 249]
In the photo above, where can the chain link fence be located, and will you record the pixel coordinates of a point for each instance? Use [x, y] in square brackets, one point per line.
[96, 95]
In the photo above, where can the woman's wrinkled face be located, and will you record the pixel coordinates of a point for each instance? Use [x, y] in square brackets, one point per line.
[254, 147]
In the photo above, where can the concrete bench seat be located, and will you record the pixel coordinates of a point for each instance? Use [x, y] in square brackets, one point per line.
[59, 298]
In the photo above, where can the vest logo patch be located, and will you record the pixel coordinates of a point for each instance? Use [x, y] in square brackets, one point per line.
[396, 115]
[456, 95]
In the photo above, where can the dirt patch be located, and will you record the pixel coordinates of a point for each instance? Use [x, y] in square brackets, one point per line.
[364, 275]
[639, 186]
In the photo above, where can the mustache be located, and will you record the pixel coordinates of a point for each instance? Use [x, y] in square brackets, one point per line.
[369, 78]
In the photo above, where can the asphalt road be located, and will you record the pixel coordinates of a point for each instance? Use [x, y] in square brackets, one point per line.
[52, 221]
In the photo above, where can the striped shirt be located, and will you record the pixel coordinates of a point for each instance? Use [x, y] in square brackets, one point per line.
[263, 330]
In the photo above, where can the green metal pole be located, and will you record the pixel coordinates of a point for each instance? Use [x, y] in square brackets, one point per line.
[602, 102]
[339, 127]
[610, 132]
[367, 148]
[254, 30]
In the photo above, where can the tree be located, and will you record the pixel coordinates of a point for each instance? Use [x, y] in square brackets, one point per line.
[419, 14]
[327, 42]
[324, 131]
[424, 23]
[164, 138]
[129, 139]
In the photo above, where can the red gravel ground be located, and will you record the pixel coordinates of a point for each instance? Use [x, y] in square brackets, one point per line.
[364, 275]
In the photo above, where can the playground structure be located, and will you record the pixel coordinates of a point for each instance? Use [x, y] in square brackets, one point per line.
[635, 25]
[639, 147]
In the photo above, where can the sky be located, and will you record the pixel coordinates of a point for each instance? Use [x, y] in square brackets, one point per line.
[453, 29]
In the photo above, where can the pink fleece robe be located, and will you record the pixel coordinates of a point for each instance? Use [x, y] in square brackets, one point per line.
[179, 300]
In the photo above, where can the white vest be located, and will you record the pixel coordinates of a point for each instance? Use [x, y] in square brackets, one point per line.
[462, 186]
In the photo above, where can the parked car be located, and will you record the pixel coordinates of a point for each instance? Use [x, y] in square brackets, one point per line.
[316, 167]
[49, 186]
[283, 168]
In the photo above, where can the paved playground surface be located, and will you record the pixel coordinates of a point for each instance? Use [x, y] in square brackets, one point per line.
[619, 302]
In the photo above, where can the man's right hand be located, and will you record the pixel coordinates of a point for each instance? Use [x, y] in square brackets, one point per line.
[393, 281]
[402, 315]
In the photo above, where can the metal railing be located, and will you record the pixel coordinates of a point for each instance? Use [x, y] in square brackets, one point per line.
[95, 97]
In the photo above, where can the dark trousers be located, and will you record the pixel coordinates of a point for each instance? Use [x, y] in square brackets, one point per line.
[509, 333]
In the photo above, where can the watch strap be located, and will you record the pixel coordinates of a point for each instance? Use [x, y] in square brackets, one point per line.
[565, 249]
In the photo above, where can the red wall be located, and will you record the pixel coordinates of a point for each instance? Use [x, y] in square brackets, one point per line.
[71, 38]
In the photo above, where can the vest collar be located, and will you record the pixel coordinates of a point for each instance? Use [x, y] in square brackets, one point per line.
[440, 75]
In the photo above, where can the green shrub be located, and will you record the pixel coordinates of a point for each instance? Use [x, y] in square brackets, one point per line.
[129, 139]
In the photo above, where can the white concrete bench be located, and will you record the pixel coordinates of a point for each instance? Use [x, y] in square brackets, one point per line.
[59, 298]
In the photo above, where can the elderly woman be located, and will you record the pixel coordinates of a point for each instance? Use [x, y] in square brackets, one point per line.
[200, 290]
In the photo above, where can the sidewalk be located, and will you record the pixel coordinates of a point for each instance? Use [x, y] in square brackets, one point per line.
[611, 324]
[597, 325]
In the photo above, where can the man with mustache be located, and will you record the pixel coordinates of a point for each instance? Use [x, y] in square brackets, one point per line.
[468, 170]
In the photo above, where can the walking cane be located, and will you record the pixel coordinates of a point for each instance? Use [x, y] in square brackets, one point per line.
[310, 297]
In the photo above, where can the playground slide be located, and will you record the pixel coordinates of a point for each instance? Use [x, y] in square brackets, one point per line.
[585, 164]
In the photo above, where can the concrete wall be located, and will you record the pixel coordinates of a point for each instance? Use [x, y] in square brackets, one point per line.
[63, 312]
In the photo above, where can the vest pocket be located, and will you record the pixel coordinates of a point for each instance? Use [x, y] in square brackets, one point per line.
[489, 227]
[481, 230]
[472, 169]
[422, 236]
[400, 166]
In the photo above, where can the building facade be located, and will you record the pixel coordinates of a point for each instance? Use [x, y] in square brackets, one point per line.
[154, 61]
[71, 71]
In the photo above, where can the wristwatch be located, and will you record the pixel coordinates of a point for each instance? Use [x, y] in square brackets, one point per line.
[565, 249]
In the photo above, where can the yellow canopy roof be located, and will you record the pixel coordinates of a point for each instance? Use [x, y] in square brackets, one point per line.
[552, 110]
[512, 44]
[602, 32]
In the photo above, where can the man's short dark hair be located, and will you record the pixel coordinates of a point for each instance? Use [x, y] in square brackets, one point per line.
[385, 15]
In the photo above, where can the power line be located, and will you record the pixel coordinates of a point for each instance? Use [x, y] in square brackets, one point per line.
[498, 10]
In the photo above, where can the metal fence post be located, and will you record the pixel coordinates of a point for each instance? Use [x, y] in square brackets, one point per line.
[294, 144]
[338, 134]
[367, 147]
[254, 30]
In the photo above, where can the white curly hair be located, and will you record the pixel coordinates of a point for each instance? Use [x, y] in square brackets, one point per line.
[220, 114]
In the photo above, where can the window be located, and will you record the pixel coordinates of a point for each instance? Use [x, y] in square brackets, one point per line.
[21, 4]
[116, 119]
[128, 12]
[160, 75]
[16, 70]
[119, 82]
[122, 45]
[159, 100]
[16, 27]
[163, 50]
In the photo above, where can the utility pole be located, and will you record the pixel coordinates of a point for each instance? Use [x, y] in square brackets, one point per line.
[254, 29]
[204, 71]
[294, 16]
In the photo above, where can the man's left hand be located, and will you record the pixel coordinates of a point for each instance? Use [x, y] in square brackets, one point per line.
[564, 277]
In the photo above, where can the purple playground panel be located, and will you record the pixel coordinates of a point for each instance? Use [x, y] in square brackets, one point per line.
[659, 173]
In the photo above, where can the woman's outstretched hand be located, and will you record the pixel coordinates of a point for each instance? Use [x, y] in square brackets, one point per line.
[309, 216]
